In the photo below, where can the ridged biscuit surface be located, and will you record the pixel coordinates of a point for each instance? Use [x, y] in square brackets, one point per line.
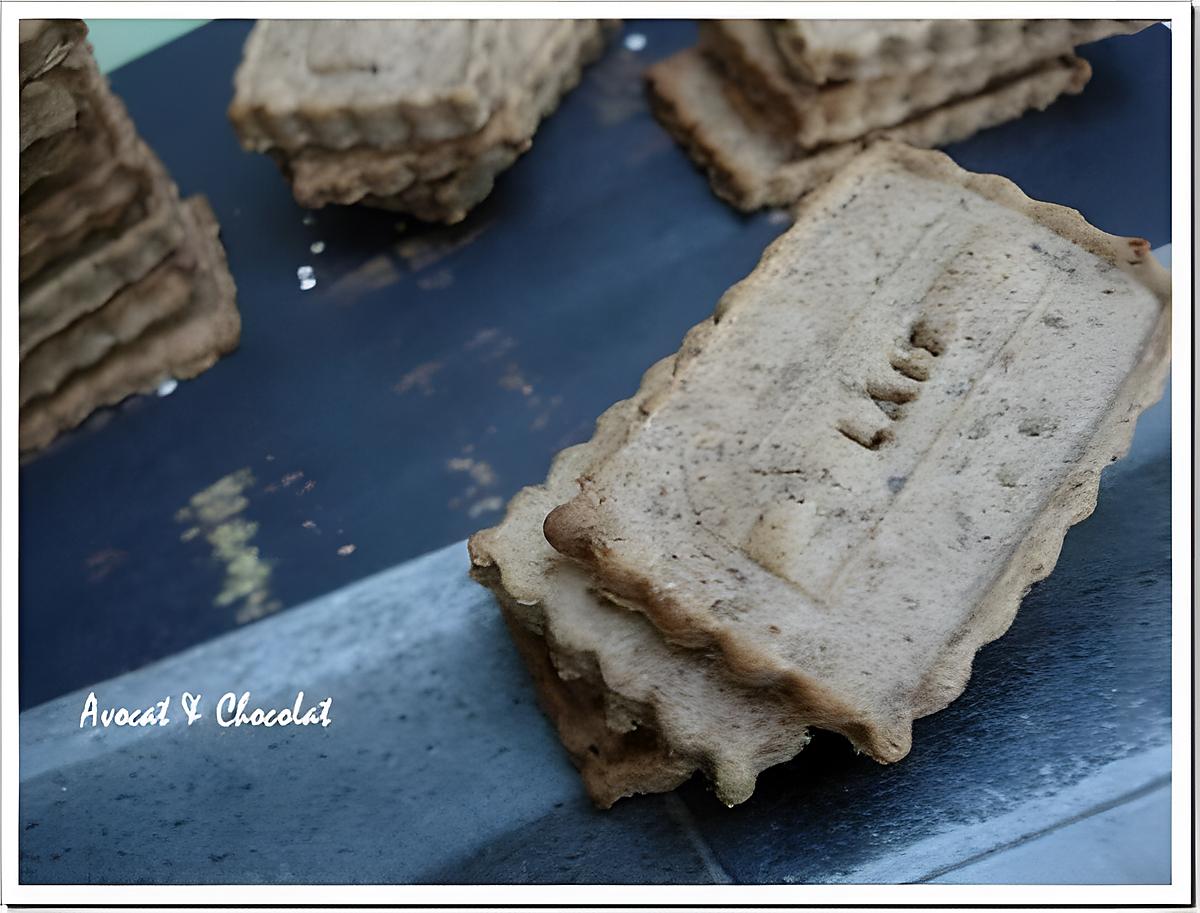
[751, 166]
[824, 50]
[636, 714]
[812, 115]
[877, 444]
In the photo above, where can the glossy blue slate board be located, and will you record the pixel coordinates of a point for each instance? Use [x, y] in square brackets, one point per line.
[439, 768]
[591, 259]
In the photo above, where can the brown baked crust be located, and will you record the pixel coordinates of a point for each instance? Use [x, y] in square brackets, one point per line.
[707, 721]
[613, 764]
[75, 285]
[750, 166]
[44, 43]
[122, 284]
[583, 527]
[383, 84]
[820, 52]
[811, 116]
[382, 156]
[104, 189]
[181, 345]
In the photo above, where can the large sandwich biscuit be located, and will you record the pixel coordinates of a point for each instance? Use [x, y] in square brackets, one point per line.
[876, 445]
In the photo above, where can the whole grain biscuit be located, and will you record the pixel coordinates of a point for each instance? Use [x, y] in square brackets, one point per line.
[180, 347]
[441, 181]
[750, 166]
[812, 116]
[44, 43]
[59, 296]
[825, 50]
[636, 714]
[382, 84]
[878, 442]
[66, 223]
[103, 133]
[162, 293]
[48, 157]
[431, 189]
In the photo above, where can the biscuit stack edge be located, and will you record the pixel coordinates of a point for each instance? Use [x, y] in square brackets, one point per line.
[771, 109]
[123, 285]
[407, 115]
[840, 487]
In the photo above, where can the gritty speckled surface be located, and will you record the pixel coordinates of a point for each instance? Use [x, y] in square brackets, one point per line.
[436, 753]
[1081, 680]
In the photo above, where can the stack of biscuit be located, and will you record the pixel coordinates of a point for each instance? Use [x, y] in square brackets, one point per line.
[770, 109]
[839, 489]
[122, 285]
[416, 116]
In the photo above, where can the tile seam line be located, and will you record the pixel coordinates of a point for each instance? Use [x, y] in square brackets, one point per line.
[682, 816]
[1154, 785]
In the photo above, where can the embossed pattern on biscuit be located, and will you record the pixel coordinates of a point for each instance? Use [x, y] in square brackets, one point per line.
[879, 440]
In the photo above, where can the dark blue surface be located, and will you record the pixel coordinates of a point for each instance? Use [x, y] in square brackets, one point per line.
[1105, 152]
[497, 341]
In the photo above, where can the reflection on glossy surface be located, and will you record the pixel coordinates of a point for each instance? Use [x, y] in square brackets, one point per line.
[215, 514]
[419, 252]
[478, 497]
[619, 95]
[376, 273]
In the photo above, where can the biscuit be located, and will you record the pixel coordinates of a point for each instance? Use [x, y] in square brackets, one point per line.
[397, 147]
[161, 293]
[813, 116]
[57, 297]
[636, 714]
[45, 43]
[47, 104]
[60, 228]
[383, 84]
[102, 132]
[820, 51]
[180, 347]
[750, 167]
[877, 443]
[442, 182]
